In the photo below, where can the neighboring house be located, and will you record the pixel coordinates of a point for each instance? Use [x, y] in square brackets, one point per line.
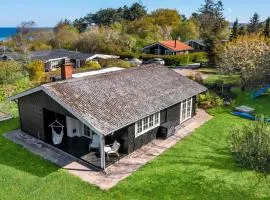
[171, 47]
[4, 49]
[55, 58]
[197, 45]
[9, 56]
[128, 106]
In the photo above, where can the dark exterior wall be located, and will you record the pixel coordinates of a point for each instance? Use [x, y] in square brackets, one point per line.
[31, 113]
[151, 50]
[133, 143]
[194, 106]
[173, 114]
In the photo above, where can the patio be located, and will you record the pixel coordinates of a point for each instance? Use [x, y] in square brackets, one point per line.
[117, 171]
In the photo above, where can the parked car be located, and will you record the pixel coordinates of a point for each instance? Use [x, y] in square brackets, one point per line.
[135, 61]
[155, 61]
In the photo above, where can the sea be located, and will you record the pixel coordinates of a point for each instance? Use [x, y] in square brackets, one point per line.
[5, 33]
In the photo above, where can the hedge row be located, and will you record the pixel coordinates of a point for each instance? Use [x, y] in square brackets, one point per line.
[178, 60]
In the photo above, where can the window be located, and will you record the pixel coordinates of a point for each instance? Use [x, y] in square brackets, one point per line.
[87, 131]
[147, 124]
[168, 52]
[186, 110]
[151, 121]
[157, 52]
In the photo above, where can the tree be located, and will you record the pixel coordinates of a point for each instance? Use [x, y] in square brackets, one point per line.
[187, 30]
[266, 31]
[80, 24]
[22, 40]
[254, 23]
[235, 30]
[65, 35]
[212, 23]
[243, 30]
[249, 57]
[166, 17]
[135, 12]
[36, 71]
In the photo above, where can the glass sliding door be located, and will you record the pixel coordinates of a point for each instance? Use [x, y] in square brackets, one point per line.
[186, 110]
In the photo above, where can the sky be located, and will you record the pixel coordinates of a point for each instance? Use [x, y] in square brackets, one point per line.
[46, 13]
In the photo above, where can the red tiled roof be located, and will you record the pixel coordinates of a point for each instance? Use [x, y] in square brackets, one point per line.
[179, 46]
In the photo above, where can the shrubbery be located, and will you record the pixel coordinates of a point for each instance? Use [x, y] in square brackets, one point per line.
[115, 63]
[36, 71]
[250, 146]
[10, 71]
[209, 100]
[92, 65]
[178, 60]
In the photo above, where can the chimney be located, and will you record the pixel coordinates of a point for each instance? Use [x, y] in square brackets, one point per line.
[66, 70]
[175, 42]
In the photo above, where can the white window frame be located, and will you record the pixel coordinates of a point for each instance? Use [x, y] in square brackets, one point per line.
[156, 123]
[188, 115]
[157, 51]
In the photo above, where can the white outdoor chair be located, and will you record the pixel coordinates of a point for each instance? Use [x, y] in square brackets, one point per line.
[95, 144]
[112, 149]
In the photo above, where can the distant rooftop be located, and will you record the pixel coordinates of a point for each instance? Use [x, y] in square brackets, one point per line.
[91, 73]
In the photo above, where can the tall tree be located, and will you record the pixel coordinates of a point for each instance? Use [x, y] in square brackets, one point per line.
[212, 23]
[235, 30]
[266, 31]
[254, 23]
[136, 11]
[243, 30]
[80, 24]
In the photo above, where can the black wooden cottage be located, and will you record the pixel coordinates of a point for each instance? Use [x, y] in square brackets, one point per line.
[127, 106]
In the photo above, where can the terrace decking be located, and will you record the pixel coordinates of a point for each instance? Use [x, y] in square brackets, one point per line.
[117, 171]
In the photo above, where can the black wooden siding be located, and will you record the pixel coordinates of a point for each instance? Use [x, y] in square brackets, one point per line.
[31, 113]
[32, 122]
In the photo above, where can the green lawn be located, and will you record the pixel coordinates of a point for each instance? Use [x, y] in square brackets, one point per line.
[261, 104]
[199, 167]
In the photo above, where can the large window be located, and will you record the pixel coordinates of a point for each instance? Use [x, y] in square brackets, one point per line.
[186, 110]
[147, 124]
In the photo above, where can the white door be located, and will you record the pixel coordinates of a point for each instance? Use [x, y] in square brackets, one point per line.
[186, 110]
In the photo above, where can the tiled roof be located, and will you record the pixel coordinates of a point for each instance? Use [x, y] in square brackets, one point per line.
[114, 100]
[176, 45]
[59, 53]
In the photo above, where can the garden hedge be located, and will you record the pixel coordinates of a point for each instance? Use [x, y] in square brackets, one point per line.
[178, 60]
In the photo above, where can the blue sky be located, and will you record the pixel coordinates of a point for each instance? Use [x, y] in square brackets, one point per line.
[47, 12]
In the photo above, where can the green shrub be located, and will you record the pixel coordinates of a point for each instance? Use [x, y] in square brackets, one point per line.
[115, 63]
[92, 65]
[250, 146]
[10, 71]
[128, 55]
[178, 60]
[36, 71]
[209, 100]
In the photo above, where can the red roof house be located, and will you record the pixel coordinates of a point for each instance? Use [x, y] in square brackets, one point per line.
[170, 47]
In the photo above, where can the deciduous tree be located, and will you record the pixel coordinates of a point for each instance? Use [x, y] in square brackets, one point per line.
[248, 56]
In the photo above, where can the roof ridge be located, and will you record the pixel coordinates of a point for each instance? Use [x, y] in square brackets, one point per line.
[103, 74]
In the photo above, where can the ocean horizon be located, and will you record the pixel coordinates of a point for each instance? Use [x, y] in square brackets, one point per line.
[6, 32]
